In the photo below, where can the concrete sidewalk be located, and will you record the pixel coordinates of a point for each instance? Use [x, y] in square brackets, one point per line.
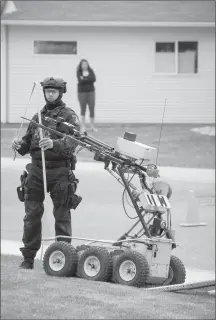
[172, 173]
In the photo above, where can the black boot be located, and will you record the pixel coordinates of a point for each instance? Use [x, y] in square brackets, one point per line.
[27, 263]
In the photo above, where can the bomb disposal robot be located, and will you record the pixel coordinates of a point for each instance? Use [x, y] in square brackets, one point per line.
[138, 258]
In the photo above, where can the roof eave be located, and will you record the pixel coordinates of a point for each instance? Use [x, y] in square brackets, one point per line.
[105, 23]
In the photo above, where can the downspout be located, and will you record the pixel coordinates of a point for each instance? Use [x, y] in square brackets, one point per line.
[7, 75]
[4, 66]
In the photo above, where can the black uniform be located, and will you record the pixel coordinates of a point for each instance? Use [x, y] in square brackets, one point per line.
[61, 181]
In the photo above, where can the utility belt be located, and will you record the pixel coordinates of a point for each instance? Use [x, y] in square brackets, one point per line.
[69, 198]
[53, 164]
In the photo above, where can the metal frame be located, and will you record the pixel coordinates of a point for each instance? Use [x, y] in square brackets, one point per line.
[136, 207]
[145, 241]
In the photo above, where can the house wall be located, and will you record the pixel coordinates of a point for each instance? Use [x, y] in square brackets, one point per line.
[127, 89]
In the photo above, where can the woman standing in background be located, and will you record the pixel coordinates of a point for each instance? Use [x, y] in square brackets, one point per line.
[86, 93]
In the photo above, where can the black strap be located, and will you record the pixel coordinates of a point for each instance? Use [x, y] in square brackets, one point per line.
[52, 164]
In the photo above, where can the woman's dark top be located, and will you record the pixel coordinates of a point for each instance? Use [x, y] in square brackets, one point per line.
[87, 83]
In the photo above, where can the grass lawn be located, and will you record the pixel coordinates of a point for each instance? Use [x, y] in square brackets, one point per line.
[30, 294]
[179, 146]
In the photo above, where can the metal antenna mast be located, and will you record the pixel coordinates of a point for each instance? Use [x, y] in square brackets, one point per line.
[160, 132]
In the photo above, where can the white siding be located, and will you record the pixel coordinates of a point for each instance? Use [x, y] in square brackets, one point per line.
[127, 90]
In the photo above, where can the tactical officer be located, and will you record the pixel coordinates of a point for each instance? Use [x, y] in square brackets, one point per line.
[60, 163]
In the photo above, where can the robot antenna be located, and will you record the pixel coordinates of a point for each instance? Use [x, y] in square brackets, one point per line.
[160, 132]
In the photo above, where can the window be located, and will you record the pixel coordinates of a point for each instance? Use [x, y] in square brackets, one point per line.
[187, 57]
[165, 57]
[55, 47]
[176, 57]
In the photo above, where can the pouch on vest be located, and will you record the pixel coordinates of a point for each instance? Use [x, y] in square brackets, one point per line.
[20, 189]
[73, 161]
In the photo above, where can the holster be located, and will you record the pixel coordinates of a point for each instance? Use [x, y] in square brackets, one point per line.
[20, 189]
[21, 193]
[73, 200]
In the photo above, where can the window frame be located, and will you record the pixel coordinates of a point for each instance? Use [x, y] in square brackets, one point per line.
[55, 54]
[176, 72]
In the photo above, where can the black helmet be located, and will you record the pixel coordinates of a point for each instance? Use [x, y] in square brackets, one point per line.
[56, 83]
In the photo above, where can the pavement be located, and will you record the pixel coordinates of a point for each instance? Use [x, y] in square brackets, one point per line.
[11, 247]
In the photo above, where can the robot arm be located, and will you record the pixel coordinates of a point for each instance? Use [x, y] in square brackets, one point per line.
[129, 151]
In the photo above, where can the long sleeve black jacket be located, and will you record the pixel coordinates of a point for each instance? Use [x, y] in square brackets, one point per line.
[63, 148]
[86, 84]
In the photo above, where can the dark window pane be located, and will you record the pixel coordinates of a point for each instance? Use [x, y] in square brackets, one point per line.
[55, 47]
[165, 47]
[187, 46]
[165, 57]
[188, 57]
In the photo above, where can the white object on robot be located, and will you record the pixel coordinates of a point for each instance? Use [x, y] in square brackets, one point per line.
[133, 149]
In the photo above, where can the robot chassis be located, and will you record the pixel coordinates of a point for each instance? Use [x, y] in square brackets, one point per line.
[141, 259]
